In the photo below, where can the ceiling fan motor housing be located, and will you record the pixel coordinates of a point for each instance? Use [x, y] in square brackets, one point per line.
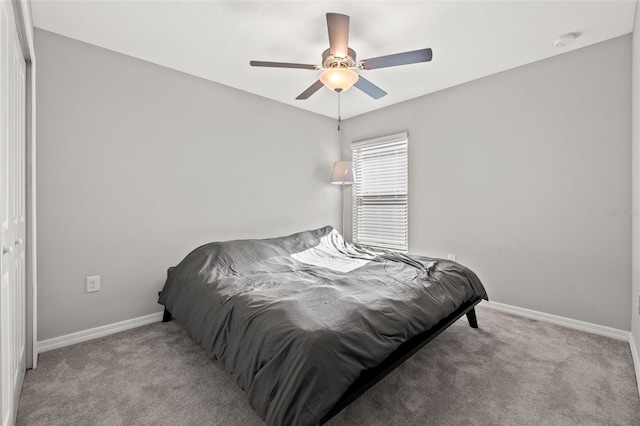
[330, 61]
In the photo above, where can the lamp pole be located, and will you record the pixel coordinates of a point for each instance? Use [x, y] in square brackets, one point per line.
[342, 211]
[342, 175]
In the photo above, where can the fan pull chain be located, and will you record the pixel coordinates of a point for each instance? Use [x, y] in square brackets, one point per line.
[339, 118]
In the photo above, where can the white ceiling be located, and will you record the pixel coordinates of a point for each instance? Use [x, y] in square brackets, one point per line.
[216, 40]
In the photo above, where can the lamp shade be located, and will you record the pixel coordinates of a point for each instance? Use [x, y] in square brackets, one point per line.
[339, 78]
[343, 173]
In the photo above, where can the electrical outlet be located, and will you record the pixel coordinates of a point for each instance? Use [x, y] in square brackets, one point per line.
[93, 284]
[451, 256]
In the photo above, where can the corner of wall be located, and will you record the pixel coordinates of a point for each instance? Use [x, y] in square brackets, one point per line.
[635, 185]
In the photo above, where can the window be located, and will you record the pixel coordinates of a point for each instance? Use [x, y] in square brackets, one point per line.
[380, 209]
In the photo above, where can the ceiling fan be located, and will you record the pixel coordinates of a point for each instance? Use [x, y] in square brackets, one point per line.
[339, 62]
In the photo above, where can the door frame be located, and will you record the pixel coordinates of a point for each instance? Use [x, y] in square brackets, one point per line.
[24, 25]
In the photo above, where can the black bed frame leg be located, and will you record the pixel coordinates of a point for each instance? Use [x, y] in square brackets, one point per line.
[471, 316]
[166, 317]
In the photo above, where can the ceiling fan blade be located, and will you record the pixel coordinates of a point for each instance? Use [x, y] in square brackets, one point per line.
[413, 57]
[310, 91]
[338, 26]
[282, 65]
[369, 88]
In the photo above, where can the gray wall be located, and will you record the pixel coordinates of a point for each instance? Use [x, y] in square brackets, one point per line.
[514, 173]
[139, 164]
[635, 160]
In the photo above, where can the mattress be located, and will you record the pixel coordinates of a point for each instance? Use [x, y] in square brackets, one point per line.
[296, 319]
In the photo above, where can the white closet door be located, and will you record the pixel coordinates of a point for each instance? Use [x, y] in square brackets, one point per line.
[12, 215]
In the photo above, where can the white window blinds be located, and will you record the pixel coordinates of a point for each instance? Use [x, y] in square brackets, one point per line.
[380, 209]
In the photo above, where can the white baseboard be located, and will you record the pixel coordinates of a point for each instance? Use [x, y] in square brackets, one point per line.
[558, 320]
[636, 359]
[94, 333]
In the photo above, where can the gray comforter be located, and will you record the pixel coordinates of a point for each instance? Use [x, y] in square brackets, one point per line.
[296, 319]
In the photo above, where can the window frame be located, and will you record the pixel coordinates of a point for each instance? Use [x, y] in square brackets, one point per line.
[389, 198]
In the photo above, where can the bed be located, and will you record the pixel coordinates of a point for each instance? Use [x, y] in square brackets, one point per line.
[307, 323]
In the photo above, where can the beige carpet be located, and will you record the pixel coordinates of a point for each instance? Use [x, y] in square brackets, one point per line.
[511, 371]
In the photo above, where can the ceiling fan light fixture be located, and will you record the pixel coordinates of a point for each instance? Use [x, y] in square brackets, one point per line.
[339, 62]
[339, 79]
